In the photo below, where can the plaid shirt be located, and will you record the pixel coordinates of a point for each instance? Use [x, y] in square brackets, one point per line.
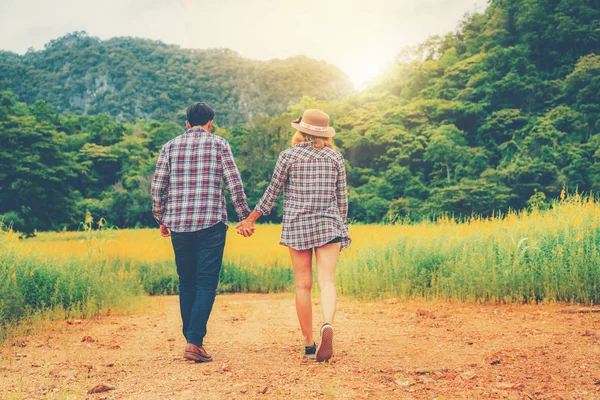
[315, 202]
[187, 191]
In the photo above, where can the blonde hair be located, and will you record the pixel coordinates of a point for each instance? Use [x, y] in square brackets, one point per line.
[318, 142]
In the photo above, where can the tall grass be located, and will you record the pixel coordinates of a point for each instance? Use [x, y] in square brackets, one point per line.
[548, 255]
[32, 283]
[523, 257]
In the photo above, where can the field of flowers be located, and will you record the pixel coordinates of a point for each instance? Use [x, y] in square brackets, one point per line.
[550, 255]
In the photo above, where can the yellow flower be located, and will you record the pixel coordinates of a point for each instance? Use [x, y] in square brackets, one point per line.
[30, 273]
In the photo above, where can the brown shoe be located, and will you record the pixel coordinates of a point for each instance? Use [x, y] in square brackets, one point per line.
[196, 353]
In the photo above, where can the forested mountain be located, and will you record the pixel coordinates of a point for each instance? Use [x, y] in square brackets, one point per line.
[502, 113]
[130, 78]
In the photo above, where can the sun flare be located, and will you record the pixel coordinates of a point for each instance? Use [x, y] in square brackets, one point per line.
[363, 70]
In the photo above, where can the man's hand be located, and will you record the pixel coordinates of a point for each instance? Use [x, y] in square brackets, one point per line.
[245, 228]
[164, 231]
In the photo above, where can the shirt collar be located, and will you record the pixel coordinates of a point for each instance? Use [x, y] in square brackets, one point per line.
[196, 130]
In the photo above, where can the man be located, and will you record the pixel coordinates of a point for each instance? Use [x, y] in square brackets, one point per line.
[188, 200]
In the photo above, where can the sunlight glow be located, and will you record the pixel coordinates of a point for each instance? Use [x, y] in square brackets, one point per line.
[360, 36]
[362, 70]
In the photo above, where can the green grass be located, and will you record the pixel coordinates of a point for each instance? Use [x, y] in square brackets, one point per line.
[34, 287]
[528, 257]
[549, 256]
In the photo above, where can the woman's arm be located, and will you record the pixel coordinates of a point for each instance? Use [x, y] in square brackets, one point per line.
[342, 192]
[271, 195]
[269, 198]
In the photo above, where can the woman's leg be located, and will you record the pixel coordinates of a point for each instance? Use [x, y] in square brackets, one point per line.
[327, 257]
[302, 262]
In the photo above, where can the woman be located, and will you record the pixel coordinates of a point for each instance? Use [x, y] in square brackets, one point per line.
[315, 210]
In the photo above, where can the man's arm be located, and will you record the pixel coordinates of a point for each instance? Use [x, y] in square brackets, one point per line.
[160, 186]
[233, 182]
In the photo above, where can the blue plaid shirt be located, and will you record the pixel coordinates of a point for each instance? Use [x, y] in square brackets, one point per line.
[187, 189]
[315, 201]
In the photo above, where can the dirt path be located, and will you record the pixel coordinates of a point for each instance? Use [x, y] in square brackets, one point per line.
[399, 350]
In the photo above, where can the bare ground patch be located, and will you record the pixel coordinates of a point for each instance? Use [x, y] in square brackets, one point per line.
[388, 349]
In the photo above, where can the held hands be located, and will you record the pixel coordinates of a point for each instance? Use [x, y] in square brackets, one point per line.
[245, 228]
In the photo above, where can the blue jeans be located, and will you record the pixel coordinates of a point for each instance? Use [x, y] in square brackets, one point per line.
[198, 256]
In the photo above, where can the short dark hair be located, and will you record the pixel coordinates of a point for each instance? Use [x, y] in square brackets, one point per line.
[199, 114]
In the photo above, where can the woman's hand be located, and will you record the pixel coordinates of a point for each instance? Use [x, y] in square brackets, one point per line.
[245, 228]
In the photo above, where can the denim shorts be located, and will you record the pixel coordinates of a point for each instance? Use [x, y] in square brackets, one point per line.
[335, 240]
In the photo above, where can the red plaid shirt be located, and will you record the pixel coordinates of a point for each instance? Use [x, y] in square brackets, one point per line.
[187, 190]
[315, 202]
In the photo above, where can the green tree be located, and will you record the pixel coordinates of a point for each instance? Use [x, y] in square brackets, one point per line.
[446, 148]
[34, 173]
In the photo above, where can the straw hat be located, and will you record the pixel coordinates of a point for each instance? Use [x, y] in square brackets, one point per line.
[314, 122]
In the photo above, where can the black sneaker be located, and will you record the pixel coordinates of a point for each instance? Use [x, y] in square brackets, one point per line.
[309, 351]
[325, 349]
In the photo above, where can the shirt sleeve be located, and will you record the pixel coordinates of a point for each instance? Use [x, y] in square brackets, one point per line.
[233, 182]
[342, 191]
[271, 195]
[160, 185]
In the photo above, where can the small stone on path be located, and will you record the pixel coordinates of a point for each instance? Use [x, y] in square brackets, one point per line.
[100, 388]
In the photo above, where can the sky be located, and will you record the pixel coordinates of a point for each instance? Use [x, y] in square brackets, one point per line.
[362, 37]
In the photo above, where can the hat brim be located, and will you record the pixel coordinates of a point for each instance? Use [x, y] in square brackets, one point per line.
[330, 131]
